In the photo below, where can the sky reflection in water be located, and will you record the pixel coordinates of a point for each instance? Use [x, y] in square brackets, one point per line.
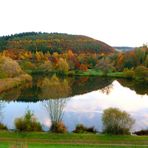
[86, 108]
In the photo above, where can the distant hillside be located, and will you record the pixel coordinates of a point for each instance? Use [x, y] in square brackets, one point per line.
[123, 48]
[53, 42]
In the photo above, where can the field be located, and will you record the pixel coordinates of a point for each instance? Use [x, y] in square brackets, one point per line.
[43, 139]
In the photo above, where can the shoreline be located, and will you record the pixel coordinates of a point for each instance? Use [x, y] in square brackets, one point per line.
[89, 72]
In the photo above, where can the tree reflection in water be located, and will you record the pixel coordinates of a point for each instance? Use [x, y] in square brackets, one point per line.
[139, 87]
[15, 93]
[106, 90]
[53, 88]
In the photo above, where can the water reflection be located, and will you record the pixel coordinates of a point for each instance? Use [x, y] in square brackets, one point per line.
[107, 89]
[139, 87]
[92, 104]
[15, 93]
[53, 88]
[2, 106]
[75, 100]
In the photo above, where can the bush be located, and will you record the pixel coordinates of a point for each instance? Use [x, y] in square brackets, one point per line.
[116, 121]
[27, 123]
[80, 128]
[141, 132]
[129, 73]
[3, 127]
[58, 127]
[9, 68]
[141, 73]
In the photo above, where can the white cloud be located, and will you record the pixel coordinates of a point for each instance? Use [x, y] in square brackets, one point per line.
[116, 22]
[97, 101]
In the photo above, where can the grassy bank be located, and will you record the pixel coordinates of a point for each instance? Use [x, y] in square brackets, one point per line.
[24, 145]
[138, 74]
[43, 139]
[93, 72]
[9, 83]
[89, 72]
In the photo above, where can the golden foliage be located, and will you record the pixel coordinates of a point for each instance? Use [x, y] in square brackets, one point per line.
[9, 67]
[54, 88]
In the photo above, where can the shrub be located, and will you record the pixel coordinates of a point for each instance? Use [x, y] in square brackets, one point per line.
[105, 66]
[83, 67]
[141, 132]
[116, 121]
[27, 123]
[80, 128]
[129, 73]
[9, 67]
[141, 73]
[3, 127]
[58, 127]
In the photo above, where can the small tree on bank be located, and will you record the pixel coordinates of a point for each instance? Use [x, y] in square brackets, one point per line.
[28, 123]
[116, 121]
[58, 127]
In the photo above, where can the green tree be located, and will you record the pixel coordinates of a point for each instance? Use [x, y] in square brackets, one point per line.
[116, 121]
[129, 73]
[141, 73]
[140, 54]
[146, 61]
[28, 122]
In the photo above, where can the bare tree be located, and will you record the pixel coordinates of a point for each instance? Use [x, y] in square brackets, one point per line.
[55, 107]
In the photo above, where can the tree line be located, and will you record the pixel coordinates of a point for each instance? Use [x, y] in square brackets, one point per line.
[53, 42]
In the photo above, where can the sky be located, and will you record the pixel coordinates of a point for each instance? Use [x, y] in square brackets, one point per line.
[116, 22]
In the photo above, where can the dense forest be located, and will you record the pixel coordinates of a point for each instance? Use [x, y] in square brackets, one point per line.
[71, 55]
[53, 42]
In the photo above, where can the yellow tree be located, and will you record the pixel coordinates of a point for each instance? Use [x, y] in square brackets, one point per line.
[62, 66]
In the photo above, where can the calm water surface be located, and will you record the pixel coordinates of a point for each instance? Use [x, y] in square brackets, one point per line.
[75, 100]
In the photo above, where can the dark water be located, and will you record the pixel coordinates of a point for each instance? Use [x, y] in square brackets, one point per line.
[75, 100]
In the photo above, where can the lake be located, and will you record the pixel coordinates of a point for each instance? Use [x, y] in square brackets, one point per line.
[75, 100]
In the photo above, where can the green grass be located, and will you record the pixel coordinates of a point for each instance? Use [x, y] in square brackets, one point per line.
[70, 140]
[81, 146]
[19, 145]
[116, 74]
[90, 72]
[93, 72]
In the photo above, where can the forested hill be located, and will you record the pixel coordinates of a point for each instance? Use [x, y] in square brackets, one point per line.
[53, 42]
